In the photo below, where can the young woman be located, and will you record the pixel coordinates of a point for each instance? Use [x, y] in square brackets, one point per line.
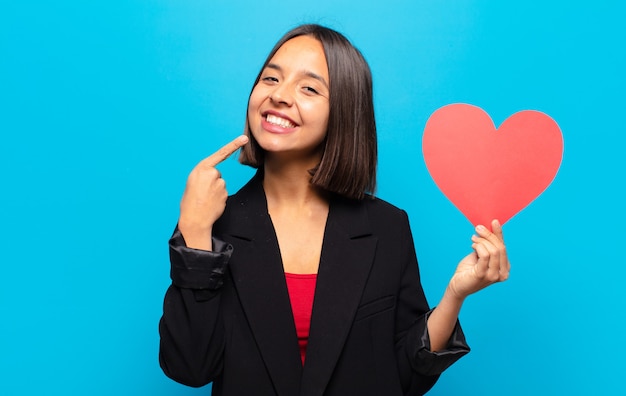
[303, 283]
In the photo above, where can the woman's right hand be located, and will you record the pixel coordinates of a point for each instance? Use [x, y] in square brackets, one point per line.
[204, 199]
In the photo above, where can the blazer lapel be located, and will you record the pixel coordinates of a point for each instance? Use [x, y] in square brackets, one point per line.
[347, 256]
[259, 279]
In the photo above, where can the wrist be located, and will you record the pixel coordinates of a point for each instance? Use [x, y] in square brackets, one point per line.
[197, 238]
[453, 296]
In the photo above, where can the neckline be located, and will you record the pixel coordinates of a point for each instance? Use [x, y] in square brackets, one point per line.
[300, 276]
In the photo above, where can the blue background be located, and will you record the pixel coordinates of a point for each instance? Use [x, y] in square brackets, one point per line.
[105, 106]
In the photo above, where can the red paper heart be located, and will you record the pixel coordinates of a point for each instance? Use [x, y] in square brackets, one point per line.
[487, 173]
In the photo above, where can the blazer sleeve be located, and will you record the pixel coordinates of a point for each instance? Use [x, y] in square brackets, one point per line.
[419, 366]
[191, 329]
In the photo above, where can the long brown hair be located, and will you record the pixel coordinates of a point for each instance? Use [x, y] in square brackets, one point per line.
[348, 164]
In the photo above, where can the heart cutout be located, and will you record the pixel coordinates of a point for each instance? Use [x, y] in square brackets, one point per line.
[491, 173]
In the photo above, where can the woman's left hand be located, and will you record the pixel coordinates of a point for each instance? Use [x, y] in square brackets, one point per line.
[486, 265]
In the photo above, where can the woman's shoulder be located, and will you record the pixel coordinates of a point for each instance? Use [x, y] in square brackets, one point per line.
[387, 220]
[381, 212]
[383, 206]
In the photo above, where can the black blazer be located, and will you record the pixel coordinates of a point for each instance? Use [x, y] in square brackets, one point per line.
[227, 317]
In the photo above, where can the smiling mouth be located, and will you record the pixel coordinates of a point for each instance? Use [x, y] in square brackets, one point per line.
[275, 120]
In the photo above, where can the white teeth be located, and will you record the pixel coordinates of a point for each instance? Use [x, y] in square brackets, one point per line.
[272, 119]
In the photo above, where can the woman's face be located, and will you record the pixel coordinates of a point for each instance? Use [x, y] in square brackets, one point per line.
[288, 108]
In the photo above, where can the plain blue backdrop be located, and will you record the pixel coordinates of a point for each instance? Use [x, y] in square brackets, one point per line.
[105, 106]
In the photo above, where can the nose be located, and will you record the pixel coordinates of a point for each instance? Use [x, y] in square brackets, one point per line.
[282, 95]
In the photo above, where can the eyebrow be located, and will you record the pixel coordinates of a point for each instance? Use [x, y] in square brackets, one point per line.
[307, 73]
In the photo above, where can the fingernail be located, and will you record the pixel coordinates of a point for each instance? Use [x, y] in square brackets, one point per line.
[480, 228]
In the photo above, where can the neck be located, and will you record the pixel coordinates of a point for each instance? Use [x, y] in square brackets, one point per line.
[288, 184]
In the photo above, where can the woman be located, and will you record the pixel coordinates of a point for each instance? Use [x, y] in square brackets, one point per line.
[303, 283]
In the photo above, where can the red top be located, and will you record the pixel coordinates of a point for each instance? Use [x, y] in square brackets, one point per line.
[301, 289]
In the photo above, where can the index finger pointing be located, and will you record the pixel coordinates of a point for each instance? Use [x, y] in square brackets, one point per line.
[226, 151]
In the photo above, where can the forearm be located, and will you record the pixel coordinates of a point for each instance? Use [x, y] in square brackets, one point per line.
[443, 319]
[191, 328]
[192, 338]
